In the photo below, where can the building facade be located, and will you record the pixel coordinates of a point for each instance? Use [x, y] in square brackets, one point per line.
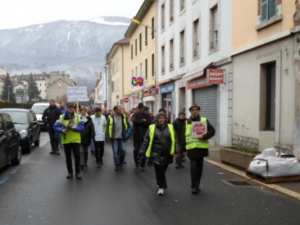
[142, 77]
[194, 36]
[266, 84]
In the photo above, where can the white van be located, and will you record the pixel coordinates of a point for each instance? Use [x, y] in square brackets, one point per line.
[38, 109]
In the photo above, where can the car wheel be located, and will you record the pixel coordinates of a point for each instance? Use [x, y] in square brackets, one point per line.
[17, 159]
[27, 148]
[37, 142]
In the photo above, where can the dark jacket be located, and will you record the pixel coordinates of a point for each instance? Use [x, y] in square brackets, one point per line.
[179, 125]
[50, 115]
[140, 126]
[162, 142]
[88, 133]
[198, 152]
[113, 127]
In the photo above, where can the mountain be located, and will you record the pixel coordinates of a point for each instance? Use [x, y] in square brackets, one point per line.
[77, 47]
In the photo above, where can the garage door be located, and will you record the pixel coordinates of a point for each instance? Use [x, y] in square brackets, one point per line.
[206, 98]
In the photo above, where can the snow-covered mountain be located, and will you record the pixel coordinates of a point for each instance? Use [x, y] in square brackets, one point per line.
[77, 47]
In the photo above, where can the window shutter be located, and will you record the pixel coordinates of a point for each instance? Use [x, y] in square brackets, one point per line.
[272, 8]
[264, 10]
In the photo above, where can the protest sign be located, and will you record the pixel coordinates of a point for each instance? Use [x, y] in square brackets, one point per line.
[198, 129]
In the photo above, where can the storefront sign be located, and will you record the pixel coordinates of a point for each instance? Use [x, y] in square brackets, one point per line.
[138, 81]
[216, 76]
[197, 83]
[167, 88]
[198, 129]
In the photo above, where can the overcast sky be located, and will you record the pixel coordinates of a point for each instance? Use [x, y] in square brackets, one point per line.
[20, 13]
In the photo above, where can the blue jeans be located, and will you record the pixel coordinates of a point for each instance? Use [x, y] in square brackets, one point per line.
[53, 138]
[118, 144]
[92, 146]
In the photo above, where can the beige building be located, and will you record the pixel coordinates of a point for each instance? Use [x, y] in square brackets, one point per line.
[118, 72]
[266, 81]
[57, 90]
[142, 57]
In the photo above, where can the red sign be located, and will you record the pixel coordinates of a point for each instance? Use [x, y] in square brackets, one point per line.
[126, 100]
[216, 76]
[199, 129]
[137, 81]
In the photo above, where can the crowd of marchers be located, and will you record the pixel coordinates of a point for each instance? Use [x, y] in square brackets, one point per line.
[156, 141]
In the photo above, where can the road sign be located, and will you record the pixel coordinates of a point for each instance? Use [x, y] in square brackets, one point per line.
[126, 100]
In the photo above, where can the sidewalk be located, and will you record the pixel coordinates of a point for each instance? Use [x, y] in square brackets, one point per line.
[290, 189]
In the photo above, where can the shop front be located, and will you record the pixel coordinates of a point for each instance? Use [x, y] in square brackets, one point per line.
[168, 100]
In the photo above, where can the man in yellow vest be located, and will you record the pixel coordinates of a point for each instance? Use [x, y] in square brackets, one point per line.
[70, 125]
[197, 147]
[117, 127]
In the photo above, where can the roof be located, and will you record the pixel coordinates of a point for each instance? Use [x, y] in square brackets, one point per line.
[139, 16]
[124, 41]
[14, 109]
[71, 85]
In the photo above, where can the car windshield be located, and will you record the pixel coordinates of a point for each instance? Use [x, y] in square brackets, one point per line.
[39, 109]
[18, 117]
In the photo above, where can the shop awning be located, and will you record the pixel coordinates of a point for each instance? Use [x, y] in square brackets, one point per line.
[198, 72]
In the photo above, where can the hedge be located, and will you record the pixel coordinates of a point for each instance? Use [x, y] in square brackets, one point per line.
[14, 105]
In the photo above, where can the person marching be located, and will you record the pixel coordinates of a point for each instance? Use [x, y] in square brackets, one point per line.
[160, 145]
[70, 125]
[99, 123]
[86, 136]
[50, 115]
[178, 126]
[117, 128]
[197, 148]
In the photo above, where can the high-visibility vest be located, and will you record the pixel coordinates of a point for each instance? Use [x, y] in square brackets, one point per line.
[71, 136]
[192, 143]
[111, 125]
[151, 135]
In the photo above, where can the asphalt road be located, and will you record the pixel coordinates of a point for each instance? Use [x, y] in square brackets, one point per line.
[37, 193]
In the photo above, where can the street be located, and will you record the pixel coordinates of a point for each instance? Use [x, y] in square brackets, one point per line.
[37, 193]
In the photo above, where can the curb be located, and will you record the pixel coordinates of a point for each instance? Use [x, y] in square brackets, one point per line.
[273, 187]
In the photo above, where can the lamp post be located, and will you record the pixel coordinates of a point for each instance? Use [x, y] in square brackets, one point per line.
[139, 23]
[8, 93]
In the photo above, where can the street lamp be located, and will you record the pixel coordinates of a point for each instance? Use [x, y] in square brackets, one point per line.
[139, 23]
[8, 93]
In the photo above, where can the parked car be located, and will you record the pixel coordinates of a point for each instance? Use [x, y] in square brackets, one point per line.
[10, 146]
[38, 109]
[27, 125]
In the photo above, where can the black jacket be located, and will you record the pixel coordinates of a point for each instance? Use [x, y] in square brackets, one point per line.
[140, 126]
[179, 128]
[198, 152]
[162, 142]
[88, 133]
[50, 115]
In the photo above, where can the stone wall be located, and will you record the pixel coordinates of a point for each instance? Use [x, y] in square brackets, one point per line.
[245, 142]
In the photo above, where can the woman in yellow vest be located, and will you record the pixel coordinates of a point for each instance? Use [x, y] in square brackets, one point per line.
[159, 145]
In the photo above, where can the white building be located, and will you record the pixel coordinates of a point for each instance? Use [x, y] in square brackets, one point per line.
[194, 35]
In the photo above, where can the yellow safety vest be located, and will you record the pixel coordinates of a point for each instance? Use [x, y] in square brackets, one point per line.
[71, 136]
[111, 124]
[192, 143]
[151, 135]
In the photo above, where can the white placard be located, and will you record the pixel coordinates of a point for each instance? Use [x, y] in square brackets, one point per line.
[77, 94]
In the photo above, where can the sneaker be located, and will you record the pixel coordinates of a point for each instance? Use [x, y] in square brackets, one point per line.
[117, 168]
[78, 176]
[52, 152]
[195, 191]
[70, 176]
[57, 153]
[161, 192]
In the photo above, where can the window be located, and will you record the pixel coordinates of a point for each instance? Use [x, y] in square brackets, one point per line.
[8, 122]
[163, 59]
[141, 69]
[132, 73]
[131, 52]
[171, 10]
[31, 117]
[214, 27]
[146, 69]
[115, 85]
[268, 10]
[270, 96]
[182, 48]
[146, 35]
[182, 5]
[171, 54]
[153, 65]
[135, 47]
[152, 27]
[136, 71]
[163, 16]
[1, 124]
[140, 42]
[196, 39]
